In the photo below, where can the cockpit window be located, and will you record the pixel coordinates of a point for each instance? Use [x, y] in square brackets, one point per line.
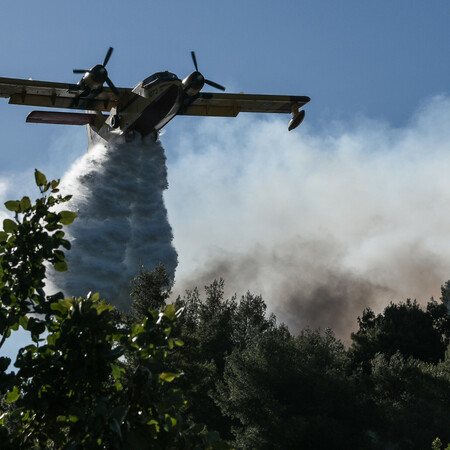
[159, 76]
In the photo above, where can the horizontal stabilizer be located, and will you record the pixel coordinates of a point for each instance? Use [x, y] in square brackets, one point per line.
[62, 118]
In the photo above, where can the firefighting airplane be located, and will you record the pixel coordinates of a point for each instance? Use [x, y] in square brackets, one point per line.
[146, 109]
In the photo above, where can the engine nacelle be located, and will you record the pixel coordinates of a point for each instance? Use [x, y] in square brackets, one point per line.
[94, 78]
[298, 118]
[193, 84]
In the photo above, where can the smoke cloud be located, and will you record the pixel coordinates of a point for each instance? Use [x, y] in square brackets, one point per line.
[122, 220]
[322, 223]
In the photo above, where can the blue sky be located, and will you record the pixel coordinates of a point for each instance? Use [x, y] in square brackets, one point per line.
[376, 59]
[355, 199]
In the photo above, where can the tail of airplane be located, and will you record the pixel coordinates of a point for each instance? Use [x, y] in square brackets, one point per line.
[62, 118]
[92, 119]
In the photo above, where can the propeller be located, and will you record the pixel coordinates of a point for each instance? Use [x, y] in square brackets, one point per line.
[209, 82]
[195, 61]
[100, 73]
[108, 55]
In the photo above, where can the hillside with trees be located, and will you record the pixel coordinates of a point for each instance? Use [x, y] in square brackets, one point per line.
[206, 372]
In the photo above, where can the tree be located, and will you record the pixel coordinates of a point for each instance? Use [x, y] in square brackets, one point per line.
[287, 392]
[206, 329]
[32, 238]
[250, 321]
[399, 356]
[150, 289]
[402, 327]
[210, 329]
[73, 387]
[411, 401]
[440, 313]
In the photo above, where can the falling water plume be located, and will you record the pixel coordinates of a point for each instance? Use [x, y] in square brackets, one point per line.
[122, 221]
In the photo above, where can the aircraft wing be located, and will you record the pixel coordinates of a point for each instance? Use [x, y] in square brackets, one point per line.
[58, 95]
[230, 105]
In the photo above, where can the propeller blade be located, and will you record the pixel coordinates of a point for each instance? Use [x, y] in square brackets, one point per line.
[108, 55]
[80, 71]
[195, 60]
[111, 85]
[217, 86]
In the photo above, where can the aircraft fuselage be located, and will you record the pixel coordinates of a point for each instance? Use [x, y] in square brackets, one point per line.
[157, 101]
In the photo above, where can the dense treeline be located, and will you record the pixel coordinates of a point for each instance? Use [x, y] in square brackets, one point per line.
[262, 387]
[165, 375]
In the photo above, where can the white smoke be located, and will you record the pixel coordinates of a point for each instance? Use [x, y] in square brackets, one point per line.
[122, 220]
[321, 224]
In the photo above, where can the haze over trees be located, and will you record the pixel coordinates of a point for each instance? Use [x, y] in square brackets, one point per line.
[179, 375]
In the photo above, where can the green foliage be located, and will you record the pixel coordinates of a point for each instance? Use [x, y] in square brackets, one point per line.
[411, 401]
[439, 313]
[150, 289]
[211, 329]
[405, 377]
[249, 320]
[437, 445]
[90, 379]
[402, 327]
[34, 236]
[264, 388]
[206, 329]
[76, 391]
[290, 392]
